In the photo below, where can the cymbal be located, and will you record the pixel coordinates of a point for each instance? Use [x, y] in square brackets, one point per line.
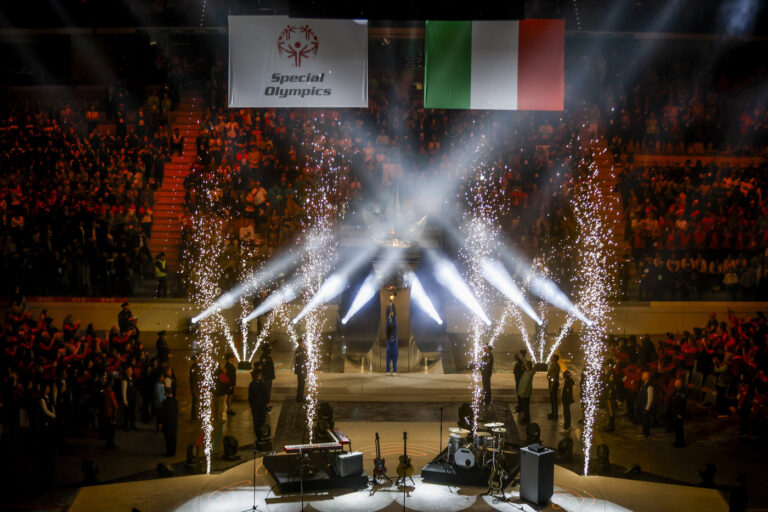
[457, 430]
[499, 430]
[483, 434]
[495, 424]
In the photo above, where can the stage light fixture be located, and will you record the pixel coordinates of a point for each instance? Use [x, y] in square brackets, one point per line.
[495, 273]
[420, 297]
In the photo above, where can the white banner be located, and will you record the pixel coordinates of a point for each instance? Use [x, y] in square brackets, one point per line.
[277, 61]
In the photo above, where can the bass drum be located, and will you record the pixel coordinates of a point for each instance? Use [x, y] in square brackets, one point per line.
[464, 458]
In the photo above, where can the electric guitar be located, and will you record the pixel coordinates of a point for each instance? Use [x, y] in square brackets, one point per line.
[496, 481]
[379, 469]
[405, 468]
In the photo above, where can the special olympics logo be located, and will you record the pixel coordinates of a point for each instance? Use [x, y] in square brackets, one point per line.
[297, 42]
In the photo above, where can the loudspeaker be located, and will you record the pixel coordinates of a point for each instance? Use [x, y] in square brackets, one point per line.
[565, 448]
[90, 470]
[348, 463]
[537, 474]
[532, 433]
[164, 470]
[603, 454]
[230, 448]
[707, 474]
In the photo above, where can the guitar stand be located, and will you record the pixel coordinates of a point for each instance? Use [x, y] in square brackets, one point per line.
[404, 478]
[375, 482]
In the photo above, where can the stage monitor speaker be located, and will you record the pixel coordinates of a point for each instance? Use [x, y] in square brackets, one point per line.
[537, 474]
[348, 464]
[164, 470]
[231, 446]
[565, 448]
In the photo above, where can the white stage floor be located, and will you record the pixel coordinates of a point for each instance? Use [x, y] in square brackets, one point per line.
[404, 387]
[232, 491]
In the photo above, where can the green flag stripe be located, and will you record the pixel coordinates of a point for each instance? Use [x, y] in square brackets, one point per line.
[448, 64]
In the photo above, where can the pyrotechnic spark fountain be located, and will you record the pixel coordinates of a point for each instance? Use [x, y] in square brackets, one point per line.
[202, 261]
[564, 330]
[595, 214]
[482, 228]
[318, 231]
[265, 329]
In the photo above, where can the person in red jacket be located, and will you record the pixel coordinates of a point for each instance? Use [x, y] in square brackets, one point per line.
[108, 411]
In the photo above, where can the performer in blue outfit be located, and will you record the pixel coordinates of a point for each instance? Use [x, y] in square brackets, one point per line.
[392, 351]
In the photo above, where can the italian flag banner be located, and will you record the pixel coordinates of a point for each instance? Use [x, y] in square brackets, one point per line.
[495, 65]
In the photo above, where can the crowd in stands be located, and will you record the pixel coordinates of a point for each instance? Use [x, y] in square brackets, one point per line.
[722, 365]
[59, 378]
[76, 197]
[697, 228]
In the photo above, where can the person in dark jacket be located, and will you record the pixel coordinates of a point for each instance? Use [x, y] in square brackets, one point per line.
[123, 318]
[257, 399]
[267, 371]
[486, 371]
[232, 376]
[300, 369]
[169, 422]
[128, 394]
[194, 387]
[567, 399]
[645, 404]
[553, 383]
[677, 410]
[163, 350]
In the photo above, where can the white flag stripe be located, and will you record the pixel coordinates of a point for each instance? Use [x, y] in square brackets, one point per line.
[494, 65]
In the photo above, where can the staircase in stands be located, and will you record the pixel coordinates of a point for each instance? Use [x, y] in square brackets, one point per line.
[169, 198]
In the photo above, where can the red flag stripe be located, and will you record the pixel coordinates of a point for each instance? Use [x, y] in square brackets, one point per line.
[540, 65]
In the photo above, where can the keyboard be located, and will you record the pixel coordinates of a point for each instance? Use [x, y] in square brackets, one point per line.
[339, 436]
[311, 447]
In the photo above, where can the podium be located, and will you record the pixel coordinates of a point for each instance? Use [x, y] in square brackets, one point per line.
[537, 474]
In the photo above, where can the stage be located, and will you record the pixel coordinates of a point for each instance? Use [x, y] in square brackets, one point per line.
[232, 490]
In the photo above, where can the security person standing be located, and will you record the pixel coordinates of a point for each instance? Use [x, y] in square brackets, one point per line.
[161, 274]
[486, 370]
[553, 381]
[257, 399]
[300, 369]
[169, 422]
[267, 371]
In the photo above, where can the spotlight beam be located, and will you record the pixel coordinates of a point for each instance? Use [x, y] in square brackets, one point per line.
[544, 288]
[285, 294]
[548, 291]
[336, 282]
[372, 283]
[420, 297]
[495, 273]
[364, 294]
[261, 277]
[448, 276]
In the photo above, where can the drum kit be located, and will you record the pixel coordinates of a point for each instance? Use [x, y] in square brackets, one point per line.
[478, 450]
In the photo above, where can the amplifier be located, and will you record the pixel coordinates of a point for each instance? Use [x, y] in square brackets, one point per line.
[348, 463]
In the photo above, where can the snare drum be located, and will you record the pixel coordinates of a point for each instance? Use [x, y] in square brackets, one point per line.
[483, 440]
[455, 442]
